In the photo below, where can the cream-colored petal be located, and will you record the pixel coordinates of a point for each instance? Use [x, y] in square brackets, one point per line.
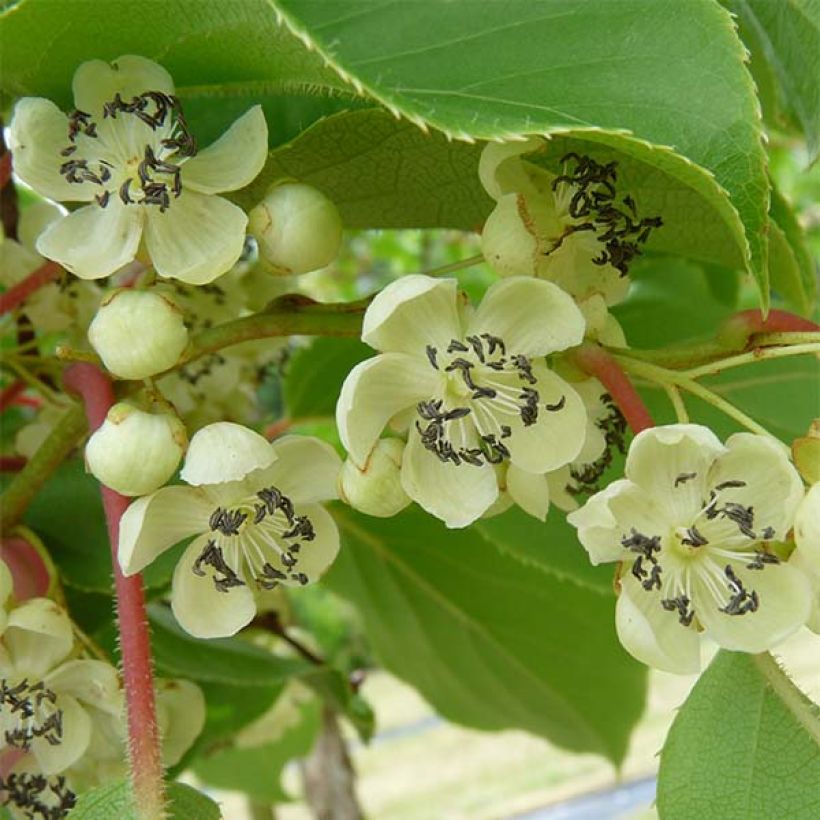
[181, 716]
[317, 555]
[501, 169]
[533, 317]
[652, 634]
[96, 82]
[671, 464]
[234, 160]
[510, 238]
[412, 313]
[34, 219]
[811, 570]
[807, 527]
[375, 391]
[224, 451]
[90, 681]
[557, 481]
[457, 494]
[200, 608]
[156, 522]
[76, 733]
[38, 636]
[772, 489]
[6, 588]
[785, 603]
[306, 470]
[197, 239]
[93, 242]
[556, 436]
[530, 491]
[612, 514]
[37, 134]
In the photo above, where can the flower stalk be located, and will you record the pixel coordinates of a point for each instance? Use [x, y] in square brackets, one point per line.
[135, 644]
[37, 279]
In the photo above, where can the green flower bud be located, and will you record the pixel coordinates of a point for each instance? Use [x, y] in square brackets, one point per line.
[138, 333]
[376, 489]
[297, 228]
[134, 452]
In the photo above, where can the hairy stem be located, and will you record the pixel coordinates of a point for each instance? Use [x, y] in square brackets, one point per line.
[16, 295]
[597, 362]
[63, 439]
[135, 642]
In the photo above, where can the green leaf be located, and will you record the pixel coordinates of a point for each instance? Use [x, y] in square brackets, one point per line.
[315, 375]
[334, 688]
[783, 214]
[382, 173]
[745, 744]
[222, 661]
[784, 271]
[115, 800]
[68, 515]
[637, 70]
[487, 640]
[784, 40]
[257, 770]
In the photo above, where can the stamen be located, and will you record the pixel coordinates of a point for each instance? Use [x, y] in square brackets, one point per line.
[559, 405]
[694, 538]
[741, 601]
[25, 790]
[33, 705]
[431, 355]
[681, 606]
[212, 556]
[683, 478]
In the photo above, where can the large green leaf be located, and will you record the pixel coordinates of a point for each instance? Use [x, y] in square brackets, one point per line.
[745, 744]
[783, 214]
[784, 39]
[487, 640]
[653, 70]
[115, 800]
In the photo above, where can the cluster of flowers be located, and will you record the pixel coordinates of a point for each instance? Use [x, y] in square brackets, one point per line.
[62, 720]
[483, 408]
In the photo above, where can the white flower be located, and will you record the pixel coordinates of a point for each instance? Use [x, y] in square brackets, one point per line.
[127, 150]
[806, 555]
[471, 387]
[574, 228]
[693, 524]
[49, 703]
[376, 488]
[254, 509]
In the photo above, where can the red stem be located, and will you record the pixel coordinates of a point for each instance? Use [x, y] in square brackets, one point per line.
[5, 169]
[18, 294]
[10, 393]
[738, 329]
[597, 362]
[135, 642]
[12, 464]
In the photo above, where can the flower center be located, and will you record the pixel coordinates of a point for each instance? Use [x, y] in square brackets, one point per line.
[38, 795]
[28, 711]
[147, 175]
[262, 537]
[477, 401]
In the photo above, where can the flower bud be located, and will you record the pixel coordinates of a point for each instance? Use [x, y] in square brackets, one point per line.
[297, 228]
[138, 333]
[376, 490]
[134, 452]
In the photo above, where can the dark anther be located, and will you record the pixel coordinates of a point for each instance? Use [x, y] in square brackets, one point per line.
[654, 579]
[431, 355]
[270, 577]
[767, 534]
[124, 195]
[212, 556]
[761, 559]
[493, 343]
[681, 606]
[456, 413]
[506, 431]
[683, 478]
[477, 347]
[102, 199]
[740, 515]
[529, 409]
[275, 500]
[38, 796]
[288, 560]
[227, 522]
[694, 538]
[742, 601]
[559, 405]
[456, 345]
[68, 151]
[302, 528]
[524, 367]
[300, 577]
[727, 484]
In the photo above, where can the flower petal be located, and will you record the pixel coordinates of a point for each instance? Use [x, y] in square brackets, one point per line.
[181, 716]
[38, 636]
[94, 682]
[375, 391]
[197, 239]
[93, 242]
[671, 464]
[37, 134]
[501, 169]
[612, 514]
[652, 634]
[317, 555]
[807, 527]
[773, 488]
[530, 491]
[96, 82]
[306, 470]
[76, 734]
[35, 219]
[557, 436]
[234, 160]
[457, 494]
[533, 317]
[785, 602]
[199, 607]
[411, 313]
[224, 451]
[156, 522]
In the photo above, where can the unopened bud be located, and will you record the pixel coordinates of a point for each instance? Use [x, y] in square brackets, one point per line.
[297, 228]
[138, 333]
[376, 489]
[134, 452]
